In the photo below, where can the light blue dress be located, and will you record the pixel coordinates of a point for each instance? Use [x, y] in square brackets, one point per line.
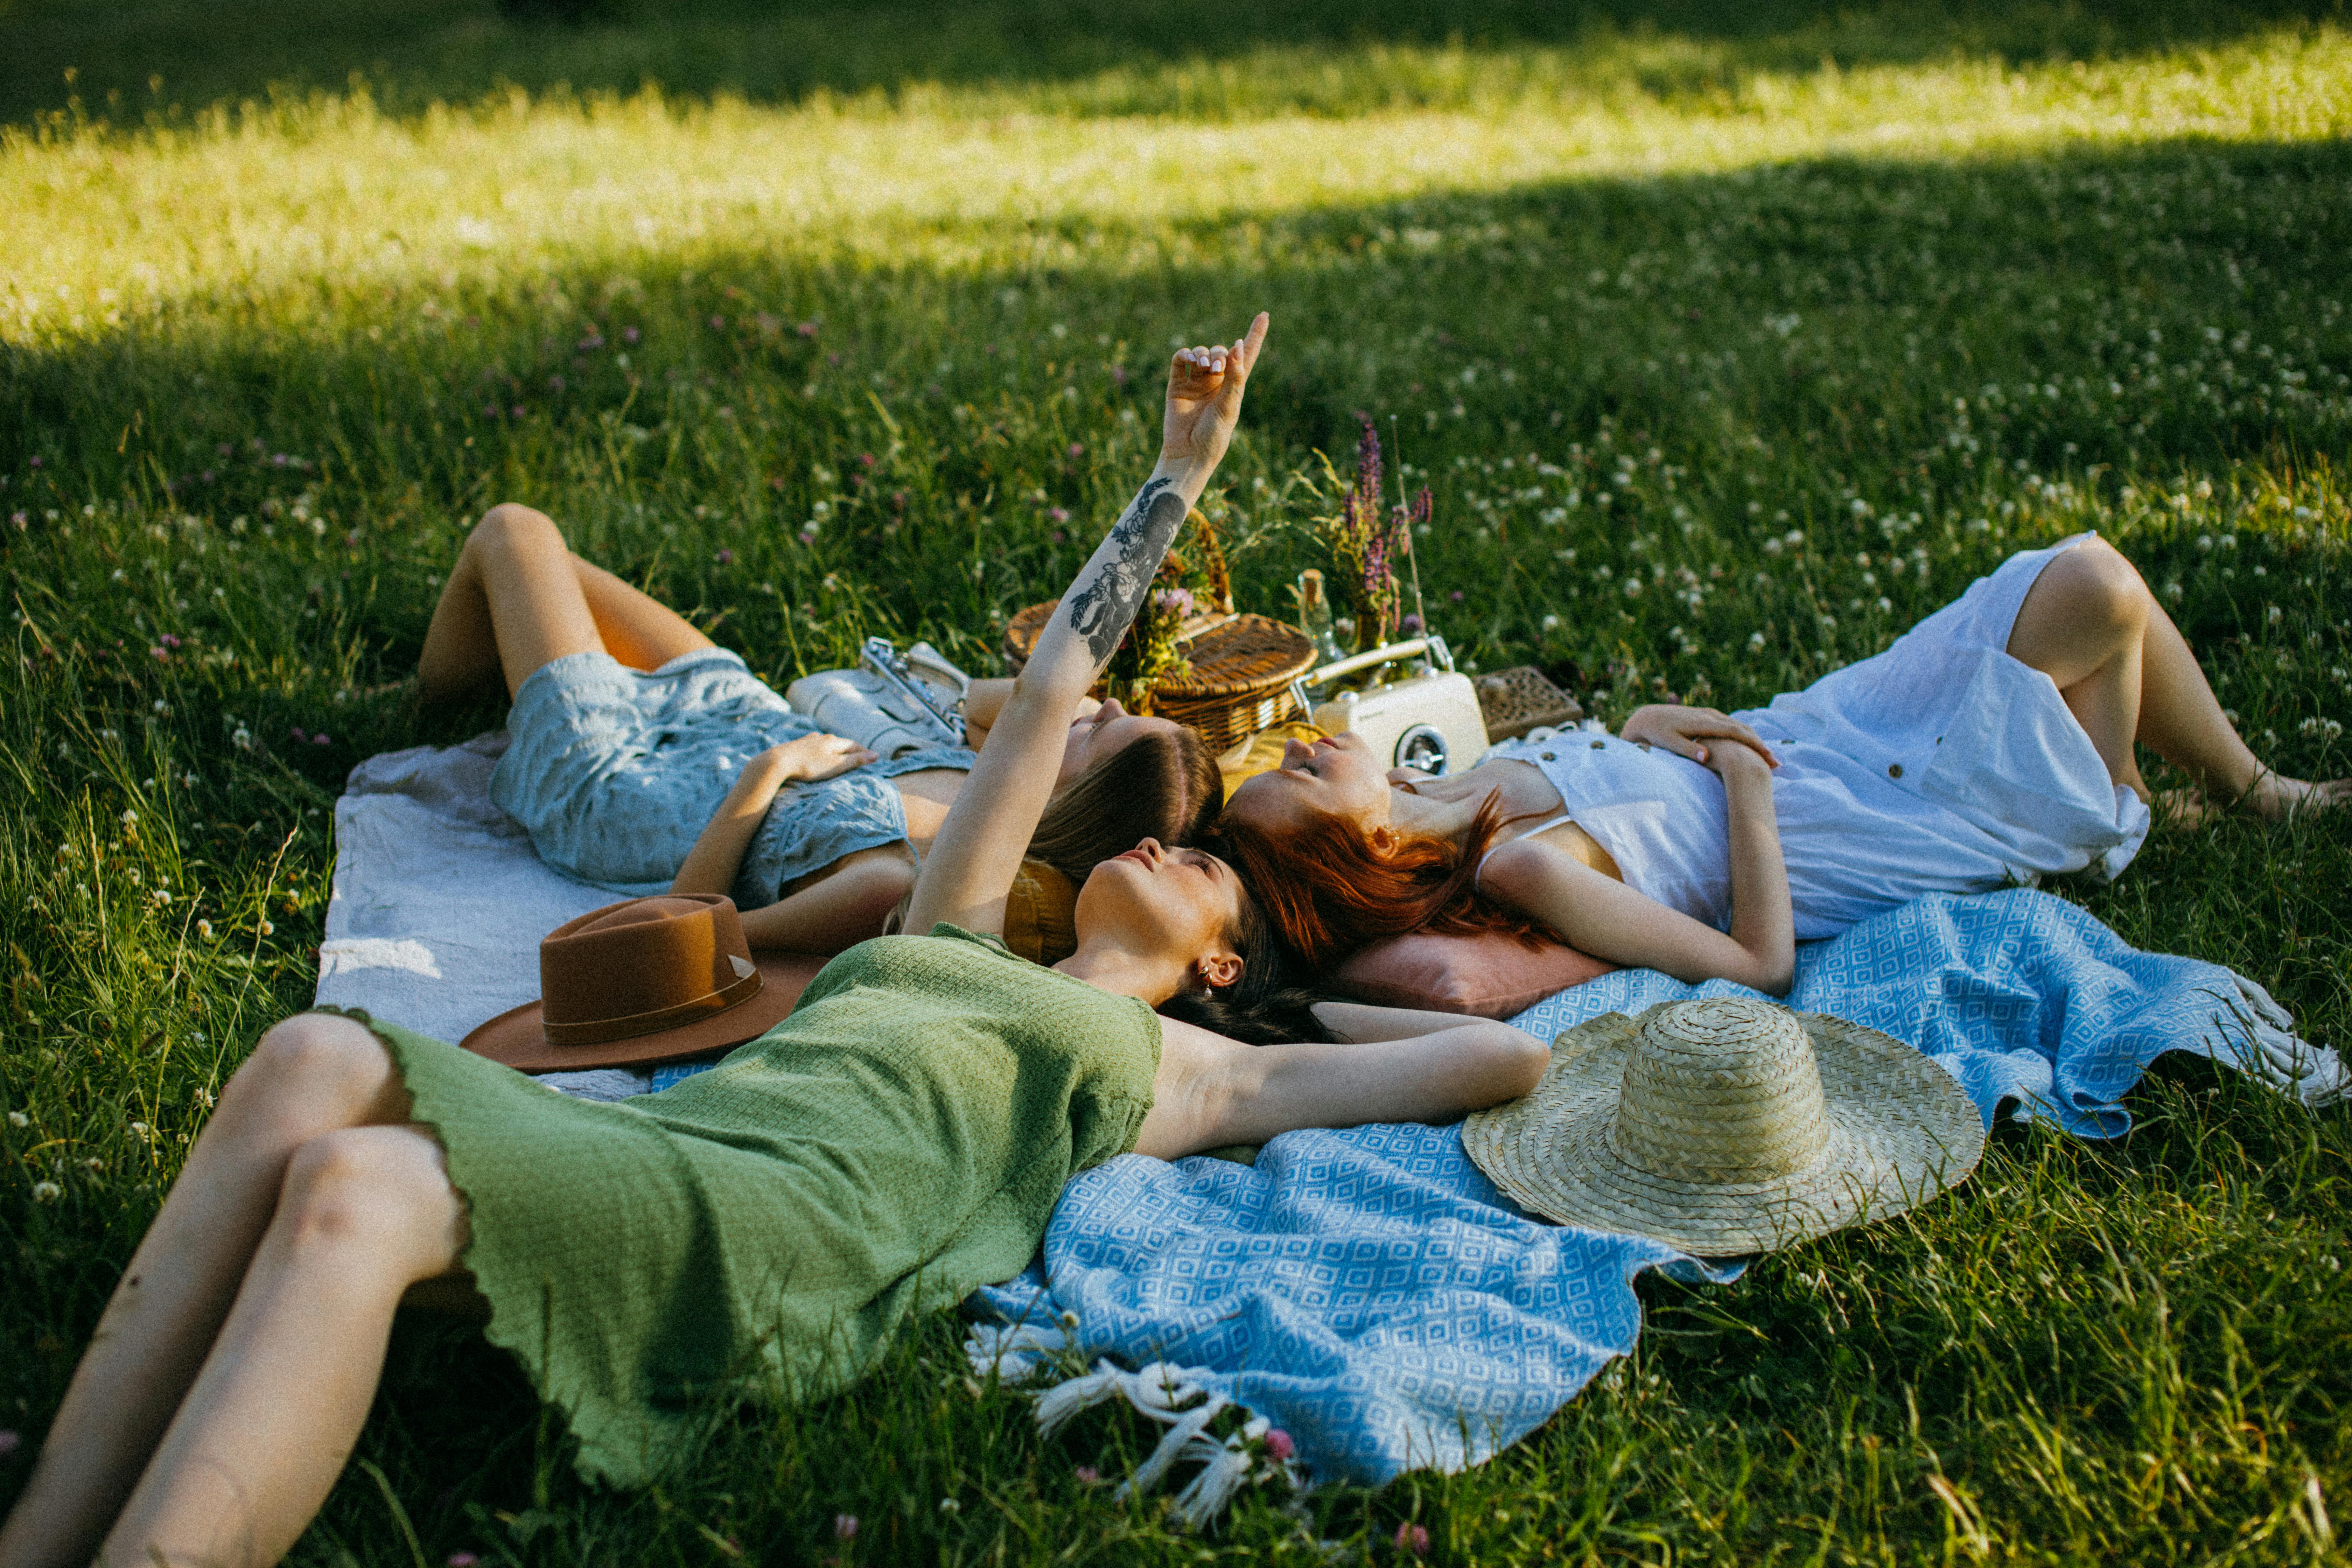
[615, 772]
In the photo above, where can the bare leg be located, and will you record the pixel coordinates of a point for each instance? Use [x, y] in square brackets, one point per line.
[2127, 673]
[273, 1416]
[309, 1076]
[836, 909]
[519, 597]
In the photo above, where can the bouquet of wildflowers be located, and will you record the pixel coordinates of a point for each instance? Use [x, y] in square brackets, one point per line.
[1366, 541]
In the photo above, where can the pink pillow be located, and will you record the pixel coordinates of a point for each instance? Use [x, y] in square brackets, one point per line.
[1490, 975]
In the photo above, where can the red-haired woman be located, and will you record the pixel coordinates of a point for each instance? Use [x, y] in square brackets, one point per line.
[1991, 744]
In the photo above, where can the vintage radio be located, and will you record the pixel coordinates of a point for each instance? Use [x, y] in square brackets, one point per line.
[1427, 717]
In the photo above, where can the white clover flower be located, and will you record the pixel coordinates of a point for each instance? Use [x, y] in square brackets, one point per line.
[130, 818]
[1756, 641]
[1885, 604]
[2273, 614]
[142, 1131]
[1773, 547]
[2172, 589]
[205, 929]
[1552, 623]
[1794, 539]
[1632, 587]
[268, 929]
[18, 1118]
[46, 1192]
[162, 896]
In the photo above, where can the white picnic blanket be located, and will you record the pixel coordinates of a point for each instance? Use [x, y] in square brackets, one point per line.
[439, 902]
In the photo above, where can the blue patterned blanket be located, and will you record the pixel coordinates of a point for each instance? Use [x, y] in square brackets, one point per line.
[1371, 1294]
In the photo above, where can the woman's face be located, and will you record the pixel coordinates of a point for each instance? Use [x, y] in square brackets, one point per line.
[1101, 733]
[1183, 903]
[1334, 777]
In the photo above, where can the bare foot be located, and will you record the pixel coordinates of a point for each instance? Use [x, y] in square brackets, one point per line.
[2273, 798]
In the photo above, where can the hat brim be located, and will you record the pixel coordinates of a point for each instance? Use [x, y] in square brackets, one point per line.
[1902, 1131]
[518, 1039]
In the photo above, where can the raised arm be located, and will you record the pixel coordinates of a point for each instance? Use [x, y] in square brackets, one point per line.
[972, 862]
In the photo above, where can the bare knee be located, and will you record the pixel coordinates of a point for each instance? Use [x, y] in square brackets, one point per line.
[382, 1192]
[312, 1059]
[512, 527]
[2095, 587]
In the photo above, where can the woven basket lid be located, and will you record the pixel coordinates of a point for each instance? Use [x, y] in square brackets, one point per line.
[1728, 1125]
[1230, 655]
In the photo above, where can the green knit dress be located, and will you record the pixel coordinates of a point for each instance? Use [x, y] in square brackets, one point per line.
[766, 1226]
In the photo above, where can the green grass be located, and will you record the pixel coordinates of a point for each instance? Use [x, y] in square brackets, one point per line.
[1641, 304]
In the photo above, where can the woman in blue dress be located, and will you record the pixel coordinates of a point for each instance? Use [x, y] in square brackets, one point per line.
[647, 759]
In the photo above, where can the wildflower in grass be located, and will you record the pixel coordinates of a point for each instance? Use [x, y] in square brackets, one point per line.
[297, 733]
[1552, 623]
[46, 1192]
[725, 558]
[142, 1131]
[807, 329]
[844, 1527]
[130, 818]
[1412, 1538]
[1057, 514]
[18, 1118]
[1087, 1475]
[2272, 614]
[462, 1559]
[205, 929]
[950, 1505]
[163, 897]
[1278, 1444]
[268, 929]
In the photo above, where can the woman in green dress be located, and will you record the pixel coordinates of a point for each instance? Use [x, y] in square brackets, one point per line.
[897, 1140]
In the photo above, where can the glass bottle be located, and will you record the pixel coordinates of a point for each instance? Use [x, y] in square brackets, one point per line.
[1315, 615]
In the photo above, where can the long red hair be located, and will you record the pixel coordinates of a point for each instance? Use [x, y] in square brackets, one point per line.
[1331, 886]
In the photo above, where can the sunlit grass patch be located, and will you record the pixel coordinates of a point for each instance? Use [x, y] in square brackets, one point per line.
[270, 203]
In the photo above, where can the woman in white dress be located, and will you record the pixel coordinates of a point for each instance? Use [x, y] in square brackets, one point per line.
[1992, 745]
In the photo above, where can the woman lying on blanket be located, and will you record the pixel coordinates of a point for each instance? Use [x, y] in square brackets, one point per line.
[1992, 743]
[899, 1140]
[633, 732]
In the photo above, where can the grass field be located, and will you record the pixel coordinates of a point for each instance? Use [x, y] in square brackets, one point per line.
[1731, 344]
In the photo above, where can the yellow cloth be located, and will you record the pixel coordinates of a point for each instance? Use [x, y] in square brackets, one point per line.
[1040, 914]
[1262, 753]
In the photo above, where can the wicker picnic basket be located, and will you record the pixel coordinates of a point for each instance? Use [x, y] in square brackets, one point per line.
[1516, 701]
[1240, 682]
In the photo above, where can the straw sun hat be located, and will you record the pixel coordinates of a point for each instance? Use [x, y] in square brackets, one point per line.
[1728, 1126]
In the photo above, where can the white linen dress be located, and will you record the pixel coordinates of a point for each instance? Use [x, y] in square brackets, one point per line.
[1940, 765]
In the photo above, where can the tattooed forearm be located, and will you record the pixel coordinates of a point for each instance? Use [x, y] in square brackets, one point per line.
[1109, 592]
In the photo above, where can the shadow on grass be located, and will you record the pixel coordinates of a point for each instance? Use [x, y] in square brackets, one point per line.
[129, 60]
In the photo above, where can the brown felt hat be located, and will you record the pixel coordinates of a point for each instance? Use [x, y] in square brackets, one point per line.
[642, 982]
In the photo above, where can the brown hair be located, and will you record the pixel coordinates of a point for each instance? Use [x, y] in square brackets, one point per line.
[1331, 886]
[1267, 1006]
[1162, 784]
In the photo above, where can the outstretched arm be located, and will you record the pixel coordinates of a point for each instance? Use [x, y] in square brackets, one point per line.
[974, 860]
[1210, 1091]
